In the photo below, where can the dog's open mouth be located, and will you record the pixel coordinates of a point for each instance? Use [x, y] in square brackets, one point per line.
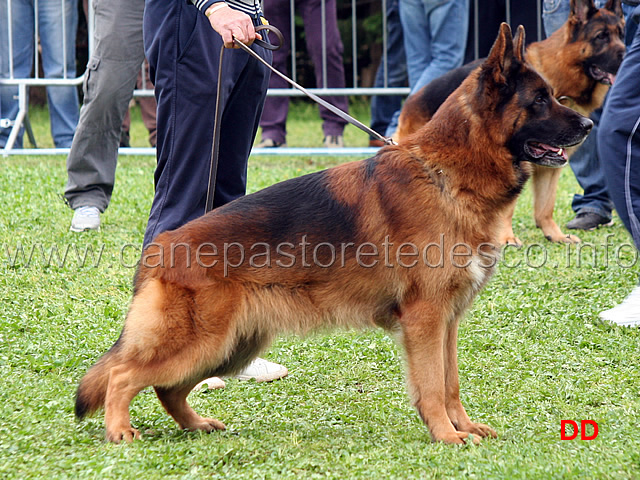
[546, 155]
[599, 75]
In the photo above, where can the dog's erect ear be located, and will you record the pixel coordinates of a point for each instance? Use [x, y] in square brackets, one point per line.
[498, 63]
[582, 10]
[518, 43]
[614, 6]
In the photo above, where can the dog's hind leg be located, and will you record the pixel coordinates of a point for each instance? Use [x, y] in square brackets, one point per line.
[128, 379]
[174, 400]
[545, 184]
[159, 346]
[455, 410]
[123, 387]
[424, 331]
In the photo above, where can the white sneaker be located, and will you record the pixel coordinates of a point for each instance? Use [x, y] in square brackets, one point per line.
[211, 383]
[627, 314]
[262, 370]
[85, 218]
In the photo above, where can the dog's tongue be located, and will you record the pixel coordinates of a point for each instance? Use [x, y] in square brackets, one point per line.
[603, 77]
[611, 77]
[541, 149]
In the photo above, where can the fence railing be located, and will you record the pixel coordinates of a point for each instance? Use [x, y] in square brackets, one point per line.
[9, 79]
[351, 13]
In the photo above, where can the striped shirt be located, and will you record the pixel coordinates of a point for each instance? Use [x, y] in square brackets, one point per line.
[250, 7]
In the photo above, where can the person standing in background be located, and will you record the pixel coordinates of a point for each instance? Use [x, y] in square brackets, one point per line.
[108, 87]
[276, 109]
[619, 143]
[384, 106]
[56, 31]
[435, 38]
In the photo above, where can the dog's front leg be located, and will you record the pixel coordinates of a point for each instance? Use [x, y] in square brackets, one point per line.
[545, 185]
[424, 332]
[455, 410]
[507, 237]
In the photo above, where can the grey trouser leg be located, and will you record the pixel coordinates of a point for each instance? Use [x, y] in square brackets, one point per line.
[108, 87]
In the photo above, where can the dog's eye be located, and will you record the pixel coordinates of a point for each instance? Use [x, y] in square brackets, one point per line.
[540, 100]
[602, 35]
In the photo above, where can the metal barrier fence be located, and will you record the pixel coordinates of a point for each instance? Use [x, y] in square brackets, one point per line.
[477, 46]
[9, 41]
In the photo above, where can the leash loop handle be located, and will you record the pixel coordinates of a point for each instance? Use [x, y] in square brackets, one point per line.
[213, 167]
[267, 45]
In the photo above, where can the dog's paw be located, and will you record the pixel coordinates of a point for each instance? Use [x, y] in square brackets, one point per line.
[511, 241]
[128, 434]
[457, 438]
[553, 233]
[206, 425]
[569, 238]
[478, 429]
[563, 238]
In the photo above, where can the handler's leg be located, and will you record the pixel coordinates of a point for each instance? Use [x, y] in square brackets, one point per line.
[184, 65]
[108, 88]
[619, 148]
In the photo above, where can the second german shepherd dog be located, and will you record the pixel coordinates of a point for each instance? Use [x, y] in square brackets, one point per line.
[579, 61]
[404, 241]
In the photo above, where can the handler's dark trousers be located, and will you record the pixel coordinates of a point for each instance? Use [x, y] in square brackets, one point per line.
[619, 140]
[183, 52]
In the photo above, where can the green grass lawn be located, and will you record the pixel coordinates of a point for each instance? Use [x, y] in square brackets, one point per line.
[532, 352]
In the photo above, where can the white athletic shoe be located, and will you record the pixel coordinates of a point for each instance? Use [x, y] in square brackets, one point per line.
[627, 314]
[85, 218]
[211, 383]
[262, 370]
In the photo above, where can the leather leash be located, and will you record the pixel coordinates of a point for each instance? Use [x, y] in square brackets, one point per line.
[213, 171]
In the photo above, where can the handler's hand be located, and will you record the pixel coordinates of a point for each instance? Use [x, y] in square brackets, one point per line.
[228, 22]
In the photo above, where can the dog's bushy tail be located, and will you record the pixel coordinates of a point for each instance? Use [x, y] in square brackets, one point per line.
[92, 390]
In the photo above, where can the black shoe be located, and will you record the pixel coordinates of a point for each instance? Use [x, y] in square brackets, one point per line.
[589, 221]
[334, 141]
[124, 139]
[270, 143]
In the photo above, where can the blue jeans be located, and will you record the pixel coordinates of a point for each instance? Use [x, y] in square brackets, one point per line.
[63, 101]
[584, 162]
[436, 43]
[384, 106]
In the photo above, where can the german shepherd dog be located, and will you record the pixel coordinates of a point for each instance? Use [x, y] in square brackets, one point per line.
[403, 240]
[579, 61]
